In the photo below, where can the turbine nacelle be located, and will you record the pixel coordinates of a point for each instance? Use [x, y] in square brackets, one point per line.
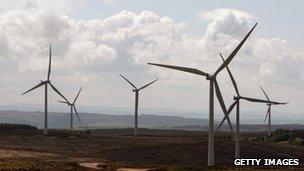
[45, 82]
[237, 97]
[210, 77]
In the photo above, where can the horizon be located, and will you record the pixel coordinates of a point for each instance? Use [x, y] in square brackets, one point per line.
[247, 117]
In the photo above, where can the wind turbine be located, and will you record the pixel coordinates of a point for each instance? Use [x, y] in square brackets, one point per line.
[237, 103]
[73, 108]
[213, 83]
[269, 110]
[136, 90]
[46, 83]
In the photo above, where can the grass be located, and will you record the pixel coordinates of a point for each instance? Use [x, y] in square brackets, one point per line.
[18, 165]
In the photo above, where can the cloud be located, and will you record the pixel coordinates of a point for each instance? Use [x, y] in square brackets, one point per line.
[225, 25]
[93, 52]
[220, 14]
[87, 53]
[273, 57]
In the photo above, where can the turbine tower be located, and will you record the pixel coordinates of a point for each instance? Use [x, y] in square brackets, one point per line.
[73, 108]
[268, 113]
[213, 83]
[46, 83]
[136, 90]
[236, 103]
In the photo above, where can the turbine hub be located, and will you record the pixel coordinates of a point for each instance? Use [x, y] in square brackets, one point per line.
[46, 81]
[210, 77]
[236, 98]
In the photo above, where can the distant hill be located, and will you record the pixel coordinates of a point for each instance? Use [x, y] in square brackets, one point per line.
[62, 120]
[90, 120]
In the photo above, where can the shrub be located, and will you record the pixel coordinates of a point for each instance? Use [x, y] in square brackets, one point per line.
[302, 142]
[10, 126]
[284, 136]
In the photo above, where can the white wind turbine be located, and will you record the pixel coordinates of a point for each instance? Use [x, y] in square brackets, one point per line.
[268, 114]
[46, 83]
[73, 108]
[136, 90]
[213, 83]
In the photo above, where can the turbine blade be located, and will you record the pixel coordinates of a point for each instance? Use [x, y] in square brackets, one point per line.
[224, 118]
[77, 114]
[279, 103]
[185, 69]
[222, 103]
[220, 97]
[220, 125]
[62, 102]
[231, 77]
[231, 107]
[231, 56]
[274, 103]
[38, 85]
[264, 93]
[147, 85]
[57, 91]
[128, 81]
[256, 100]
[267, 113]
[50, 63]
[77, 94]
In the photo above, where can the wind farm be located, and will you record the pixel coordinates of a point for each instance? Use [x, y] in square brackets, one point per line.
[110, 97]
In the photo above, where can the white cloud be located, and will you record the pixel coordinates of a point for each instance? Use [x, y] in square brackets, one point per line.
[87, 53]
[226, 23]
[93, 52]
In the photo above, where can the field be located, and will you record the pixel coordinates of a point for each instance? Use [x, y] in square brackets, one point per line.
[112, 149]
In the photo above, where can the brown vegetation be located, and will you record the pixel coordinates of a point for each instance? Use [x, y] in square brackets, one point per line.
[117, 148]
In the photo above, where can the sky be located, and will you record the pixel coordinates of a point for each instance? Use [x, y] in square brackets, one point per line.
[93, 41]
